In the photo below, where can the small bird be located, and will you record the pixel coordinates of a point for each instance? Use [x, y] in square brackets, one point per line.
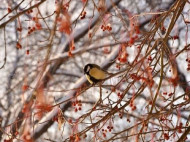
[94, 73]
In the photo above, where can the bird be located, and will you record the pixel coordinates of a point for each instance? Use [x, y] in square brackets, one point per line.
[95, 73]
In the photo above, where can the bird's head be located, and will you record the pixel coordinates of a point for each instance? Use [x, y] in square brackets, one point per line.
[87, 68]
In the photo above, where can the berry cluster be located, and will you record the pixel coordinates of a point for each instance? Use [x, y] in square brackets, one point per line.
[166, 136]
[38, 26]
[120, 115]
[106, 27]
[120, 96]
[108, 129]
[123, 57]
[175, 37]
[77, 105]
[19, 29]
[179, 127]
[133, 107]
[188, 66]
[170, 94]
[31, 29]
[118, 66]
[29, 11]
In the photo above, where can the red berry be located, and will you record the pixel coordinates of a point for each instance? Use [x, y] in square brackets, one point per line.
[25, 87]
[9, 10]
[70, 54]
[38, 26]
[166, 136]
[27, 52]
[176, 37]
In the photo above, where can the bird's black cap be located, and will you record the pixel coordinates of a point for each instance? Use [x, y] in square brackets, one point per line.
[87, 68]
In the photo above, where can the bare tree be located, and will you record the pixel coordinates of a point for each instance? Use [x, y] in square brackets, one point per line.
[45, 45]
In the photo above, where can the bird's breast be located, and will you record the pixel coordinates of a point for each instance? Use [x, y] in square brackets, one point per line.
[97, 74]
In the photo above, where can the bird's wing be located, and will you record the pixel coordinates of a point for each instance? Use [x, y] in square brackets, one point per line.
[102, 69]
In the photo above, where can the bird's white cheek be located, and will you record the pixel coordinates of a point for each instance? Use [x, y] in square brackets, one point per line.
[88, 69]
